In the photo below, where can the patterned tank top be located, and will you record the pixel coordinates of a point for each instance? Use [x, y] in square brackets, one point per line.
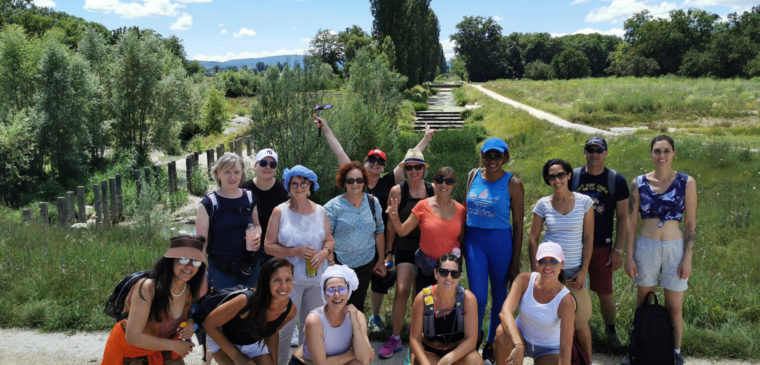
[666, 206]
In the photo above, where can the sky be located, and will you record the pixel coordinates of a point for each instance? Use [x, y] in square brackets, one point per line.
[220, 30]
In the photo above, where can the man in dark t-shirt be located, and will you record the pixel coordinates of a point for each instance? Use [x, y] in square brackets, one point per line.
[609, 191]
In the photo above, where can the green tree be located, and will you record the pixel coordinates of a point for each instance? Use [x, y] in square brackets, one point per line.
[17, 149]
[538, 70]
[478, 41]
[213, 118]
[570, 64]
[326, 47]
[18, 60]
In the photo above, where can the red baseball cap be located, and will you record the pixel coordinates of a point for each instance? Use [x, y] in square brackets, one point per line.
[377, 152]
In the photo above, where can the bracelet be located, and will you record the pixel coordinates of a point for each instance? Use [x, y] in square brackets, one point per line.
[388, 252]
[617, 250]
[330, 262]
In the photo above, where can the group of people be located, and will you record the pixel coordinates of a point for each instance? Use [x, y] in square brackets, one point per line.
[309, 267]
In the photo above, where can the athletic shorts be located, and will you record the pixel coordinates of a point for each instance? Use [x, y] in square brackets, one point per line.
[252, 350]
[536, 351]
[381, 285]
[599, 273]
[582, 300]
[404, 256]
[657, 262]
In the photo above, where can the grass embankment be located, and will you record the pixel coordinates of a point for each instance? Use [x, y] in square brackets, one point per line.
[701, 106]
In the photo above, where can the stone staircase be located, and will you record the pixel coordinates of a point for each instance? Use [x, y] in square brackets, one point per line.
[442, 111]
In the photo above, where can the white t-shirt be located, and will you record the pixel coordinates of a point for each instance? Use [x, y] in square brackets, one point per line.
[567, 229]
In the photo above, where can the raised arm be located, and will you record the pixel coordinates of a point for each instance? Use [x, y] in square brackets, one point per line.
[331, 140]
[421, 145]
[402, 229]
[517, 192]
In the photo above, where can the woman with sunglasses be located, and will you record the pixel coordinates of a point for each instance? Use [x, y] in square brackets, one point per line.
[244, 329]
[335, 333]
[380, 186]
[491, 239]
[444, 327]
[269, 192]
[223, 217]
[357, 228]
[157, 304]
[300, 231]
[441, 225]
[544, 328]
[569, 220]
[664, 198]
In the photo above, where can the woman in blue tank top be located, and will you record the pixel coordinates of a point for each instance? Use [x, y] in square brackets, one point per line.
[491, 240]
[662, 252]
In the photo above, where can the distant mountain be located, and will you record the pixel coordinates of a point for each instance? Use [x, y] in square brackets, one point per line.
[251, 62]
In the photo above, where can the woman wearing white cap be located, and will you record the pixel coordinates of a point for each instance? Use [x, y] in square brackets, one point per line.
[300, 231]
[269, 191]
[544, 328]
[335, 333]
[151, 334]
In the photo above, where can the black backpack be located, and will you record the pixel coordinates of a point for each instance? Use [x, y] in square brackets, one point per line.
[208, 303]
[652, 340]
[115, 304]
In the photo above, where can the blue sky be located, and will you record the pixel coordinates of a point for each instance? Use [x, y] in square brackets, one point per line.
[220, 30]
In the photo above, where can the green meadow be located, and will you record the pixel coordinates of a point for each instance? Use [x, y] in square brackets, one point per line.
[59, 279]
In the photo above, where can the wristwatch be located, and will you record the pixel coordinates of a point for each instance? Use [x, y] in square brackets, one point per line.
[617, 250]
[388, 252]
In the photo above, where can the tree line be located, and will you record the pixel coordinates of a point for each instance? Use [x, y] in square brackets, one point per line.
[689, 42]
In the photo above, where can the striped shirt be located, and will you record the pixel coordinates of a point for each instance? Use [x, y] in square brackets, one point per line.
[565, 229]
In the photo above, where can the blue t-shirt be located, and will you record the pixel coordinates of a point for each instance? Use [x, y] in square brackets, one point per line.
[227, 225]
[354, 230]
[488, 203]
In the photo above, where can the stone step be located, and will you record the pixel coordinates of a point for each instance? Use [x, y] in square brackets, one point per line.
[418, 127]
[433, 120]
[445, 86]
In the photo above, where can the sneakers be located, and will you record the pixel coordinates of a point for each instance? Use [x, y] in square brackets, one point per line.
[294, 338]
[392, 346]
[375, 324]
[677, 359]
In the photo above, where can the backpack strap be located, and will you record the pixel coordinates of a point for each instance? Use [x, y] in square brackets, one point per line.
[429, 189]
[428, 315]
[471, 178]
[576, 180]
[404, 187]
[611, 175]
[371, 201]
[249, 195]
[460, 307]
[214, 204]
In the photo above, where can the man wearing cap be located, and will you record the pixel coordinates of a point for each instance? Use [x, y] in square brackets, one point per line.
[609, 191]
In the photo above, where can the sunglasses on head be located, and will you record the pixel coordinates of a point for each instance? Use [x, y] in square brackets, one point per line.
[560, 175]
[413, 167]
[455, 274]
[351, 180]
[185, 261]
[448, 181]
[375, 159]
[342, 290]
[552, 261]
[593, 150]
[264, 163]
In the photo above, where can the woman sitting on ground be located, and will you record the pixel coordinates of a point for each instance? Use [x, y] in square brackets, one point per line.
[444, 326]
[245, 328]
[335, 333]
[544, 328]
[157, 305]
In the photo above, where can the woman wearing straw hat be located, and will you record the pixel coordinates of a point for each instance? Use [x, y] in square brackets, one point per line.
[300, 231]
[151, 334]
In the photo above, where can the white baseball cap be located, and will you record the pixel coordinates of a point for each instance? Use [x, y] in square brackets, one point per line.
[267, 152]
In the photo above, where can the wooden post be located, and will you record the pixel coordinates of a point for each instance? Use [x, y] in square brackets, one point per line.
[97, 204]
[239, 146]
[146, 173]
[189, 172]
[232, 146]
[156, 175]
[248, 146]
[219, 151]
[81, 208]
[61, 211]
[136, 174]
[172, 177]
[44, 216]
[70, 214]
[119, 199]
[209, 159]
[112, 199]
[104, 200]
[27, 214]
[196, 159]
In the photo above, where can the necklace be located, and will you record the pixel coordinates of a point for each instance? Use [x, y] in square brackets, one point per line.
[180, 293]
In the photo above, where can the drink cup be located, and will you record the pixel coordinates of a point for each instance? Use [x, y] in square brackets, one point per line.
[310, 272]
[250, 234]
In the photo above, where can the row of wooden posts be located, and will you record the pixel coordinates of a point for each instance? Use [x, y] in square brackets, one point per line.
[108, 199]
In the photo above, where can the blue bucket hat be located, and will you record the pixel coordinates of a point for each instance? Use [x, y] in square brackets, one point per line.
[299, 170]
[494, 144]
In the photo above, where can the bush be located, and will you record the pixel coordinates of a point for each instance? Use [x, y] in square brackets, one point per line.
[538, 70]
[419, 106]
[198, 182]
[752, 69]
[213, 115]
[571, 64]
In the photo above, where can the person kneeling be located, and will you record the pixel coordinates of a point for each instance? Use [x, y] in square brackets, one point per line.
[445, 319]
[544, 328]
[335, 333]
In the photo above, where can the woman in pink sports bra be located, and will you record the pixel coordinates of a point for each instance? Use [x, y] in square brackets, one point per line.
[662, 252]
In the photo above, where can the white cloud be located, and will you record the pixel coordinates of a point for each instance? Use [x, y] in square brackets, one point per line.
[448, 48]
[220, 24]
[305, 40]
[194, 1]
[44, 3]
[134, 9]
[248, 54]
[576, 2]
[735, 5]
[497, 18]
[223, 31]
[184, 22]
[614, 31]
[244, 32]
[621, 9]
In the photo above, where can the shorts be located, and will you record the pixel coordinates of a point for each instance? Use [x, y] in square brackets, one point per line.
[599, 273]
[252, 350]
[582, 300]
[657, 261]
[536, 351]
[402, 255]
[381, 285]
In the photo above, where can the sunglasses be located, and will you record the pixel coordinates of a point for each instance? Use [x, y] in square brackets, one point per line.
[342, 290]
[185, 261]
[455, 274]
[374, 159]
[492, 156]
[441, 180]
[553, 262]
[413, 167]
[264, 163]
[594, 150]
[358, 180]
[302, 184]
[560, 175]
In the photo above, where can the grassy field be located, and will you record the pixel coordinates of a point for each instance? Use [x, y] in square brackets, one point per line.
[681, 105]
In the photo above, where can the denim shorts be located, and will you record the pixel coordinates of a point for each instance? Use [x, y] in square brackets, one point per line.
[657, 262]
[252, 350]
[536, 351]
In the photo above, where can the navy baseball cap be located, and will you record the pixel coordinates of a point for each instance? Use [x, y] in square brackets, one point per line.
[596, 141]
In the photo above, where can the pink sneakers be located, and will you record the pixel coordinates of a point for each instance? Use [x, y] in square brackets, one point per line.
[392, 346]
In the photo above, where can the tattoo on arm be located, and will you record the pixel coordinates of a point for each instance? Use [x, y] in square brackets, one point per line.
[688, 246]
[632, 199]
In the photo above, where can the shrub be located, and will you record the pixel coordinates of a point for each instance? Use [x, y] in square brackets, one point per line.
[419, 106]
[213, 115]
[198, 182]
[571, 64]
[538, 70]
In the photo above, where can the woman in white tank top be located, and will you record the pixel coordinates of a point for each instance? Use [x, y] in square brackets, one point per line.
[544, 328]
